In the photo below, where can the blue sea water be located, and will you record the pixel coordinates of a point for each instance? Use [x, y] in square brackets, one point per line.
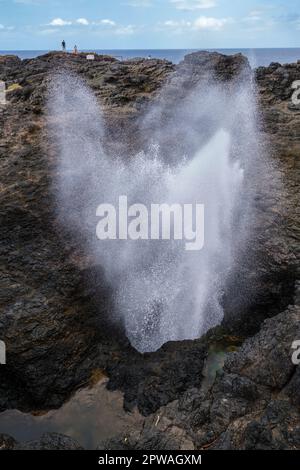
[257, 57]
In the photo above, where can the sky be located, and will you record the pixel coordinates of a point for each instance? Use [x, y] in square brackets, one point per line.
[148, 24]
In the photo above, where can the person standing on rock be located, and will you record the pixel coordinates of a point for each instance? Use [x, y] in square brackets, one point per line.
[75, 49]
[63, 45]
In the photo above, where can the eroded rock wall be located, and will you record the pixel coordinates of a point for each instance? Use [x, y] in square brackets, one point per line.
[55, 304]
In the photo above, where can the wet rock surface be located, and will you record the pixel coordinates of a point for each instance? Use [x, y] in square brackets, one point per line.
[48, 441]
[274, 249]
[252, 403]
[7, 442]
[55, 305]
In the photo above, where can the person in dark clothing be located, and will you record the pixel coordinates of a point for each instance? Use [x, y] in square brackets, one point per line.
[63, 44]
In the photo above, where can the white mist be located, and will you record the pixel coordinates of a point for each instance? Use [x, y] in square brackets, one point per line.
[162, 292]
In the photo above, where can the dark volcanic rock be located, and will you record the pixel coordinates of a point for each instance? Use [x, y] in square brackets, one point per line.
[154, 379]
[7, 442]
[266, 358]
[48, 441]
[267, 281]
[251, 404]
[55, 305]
[216, 66]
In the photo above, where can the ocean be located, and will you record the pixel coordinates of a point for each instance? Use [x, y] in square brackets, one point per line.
[257, 57]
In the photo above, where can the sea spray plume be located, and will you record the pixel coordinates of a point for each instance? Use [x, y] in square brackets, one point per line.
[76, 124]
[176, 294]
[209, 137]
[161, 292]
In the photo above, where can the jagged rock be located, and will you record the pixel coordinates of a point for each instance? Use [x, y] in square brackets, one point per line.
[251, 405]
[48, 441]
[216, 66]
[55, 305]
[154, 379]
[7, 442]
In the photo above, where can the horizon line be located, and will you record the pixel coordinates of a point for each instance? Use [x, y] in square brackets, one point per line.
[147, 49]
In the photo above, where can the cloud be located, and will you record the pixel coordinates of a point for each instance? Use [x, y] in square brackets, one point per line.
[254, 16]
[206, 23]
[60, 22]
[257, 21]
[177, 25]
[6, 28]
[104, 22]
[203, 23]
[108, 22]
[108, 25]
[191, 5]
[104, 26]
[115, 28]
[83, 21]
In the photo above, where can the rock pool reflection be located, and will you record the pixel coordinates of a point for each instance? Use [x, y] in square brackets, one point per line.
[91, 416]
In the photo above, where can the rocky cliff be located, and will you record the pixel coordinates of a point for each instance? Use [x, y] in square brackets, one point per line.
[55, 303]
